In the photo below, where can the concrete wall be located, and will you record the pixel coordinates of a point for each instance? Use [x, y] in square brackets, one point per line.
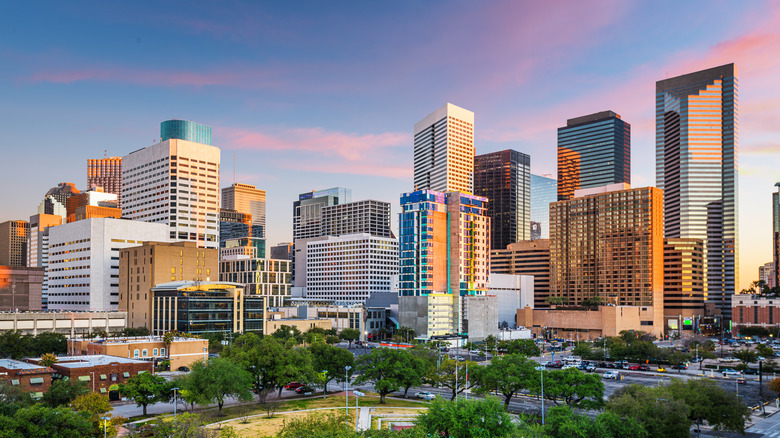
[482, 317]
[413, 313]
[589, 324]
[67, 323]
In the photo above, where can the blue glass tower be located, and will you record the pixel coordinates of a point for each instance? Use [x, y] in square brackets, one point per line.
[544, 191]
[185, 130]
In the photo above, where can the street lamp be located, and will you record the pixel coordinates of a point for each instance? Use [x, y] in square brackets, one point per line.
[174, 389]
[358, 394]
[346, 387]
[365, 342]
[325, 386]
[105, 425]
[542, 373]
[93, 380]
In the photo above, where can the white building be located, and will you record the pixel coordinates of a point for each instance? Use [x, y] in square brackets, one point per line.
[444, 150]
[38, 248]
[176, 183]
[513, 292]
[351, 267]
[83, 271]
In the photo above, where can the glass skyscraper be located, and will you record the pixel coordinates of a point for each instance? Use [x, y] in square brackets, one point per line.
[185, 130]
[504, 177]
[544, 191]
[775, 238]
[696, 166]
[593, 151]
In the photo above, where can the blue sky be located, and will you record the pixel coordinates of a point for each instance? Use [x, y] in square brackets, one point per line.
[311, 95]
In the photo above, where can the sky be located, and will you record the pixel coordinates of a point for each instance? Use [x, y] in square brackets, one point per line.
[312, 95]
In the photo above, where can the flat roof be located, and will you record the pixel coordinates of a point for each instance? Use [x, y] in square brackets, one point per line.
[12, 364]
[134, 340]
[94, 360]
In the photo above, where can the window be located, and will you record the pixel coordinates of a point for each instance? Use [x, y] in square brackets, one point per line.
[136, 353]
[103, 377]
[162, 352]
[126, 375]
[154, 352]
[36, 381]
[144, 352]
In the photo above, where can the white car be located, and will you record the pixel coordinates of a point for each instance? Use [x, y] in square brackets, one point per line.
[611, 375]
[566, 367]
[425, 395]
[727, 373]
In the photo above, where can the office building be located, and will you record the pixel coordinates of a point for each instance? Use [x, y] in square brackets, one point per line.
[205, 307]
[696, 167]
[238, 229]
[544, 191]
[775, 237]
[83, 271]
[766, 273]
[444, 243]
[245, 198]
[38, 248]
[267, 278]
[92, 203]
[307, 215]
[107, 174]
[755, 311]
[512, 292]
[527, 258]
[444, 150]
[56, 200]
[20, 288]
[606, 244]
[349, 268]
[593, 151]
[282, 251]
[176, 183]
[13, 243]
[151, 263]
[504, 178]
[367, 216]
[685, 287]
[185, 130]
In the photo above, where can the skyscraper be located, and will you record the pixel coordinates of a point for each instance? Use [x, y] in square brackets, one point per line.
[544, 191]
[696, 167]
[185, 130]
[175, 182]
[444, 150]
[38, 248]
[106, 173]
[685, 289]
[307, 218]
[56, 200]
[13, 243]
[775, 238]
[245, 198]
[593, 151]
[504, 178]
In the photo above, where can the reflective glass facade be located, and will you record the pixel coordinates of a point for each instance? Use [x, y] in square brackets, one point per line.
[544, 191]
[593, 151]
[185, 130]
[685, 288]
[504, 178]
[696, 166]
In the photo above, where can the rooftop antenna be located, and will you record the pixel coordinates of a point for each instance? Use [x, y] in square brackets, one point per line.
[105, 153]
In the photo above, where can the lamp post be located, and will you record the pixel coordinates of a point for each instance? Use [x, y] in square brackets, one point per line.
[358, 394]
[346, 387]
[365, 342]
[105, 425]
[93, 380]
[542, 373]
[174, 389]
[325, 386]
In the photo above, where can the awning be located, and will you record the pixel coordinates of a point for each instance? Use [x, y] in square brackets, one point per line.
[126, 374]
[103, 390]
[113, 388]
[394, 321]
[37, 395]
[141, 372]
[103, 377]
[84, 378]
[15, 382]
[36, 381]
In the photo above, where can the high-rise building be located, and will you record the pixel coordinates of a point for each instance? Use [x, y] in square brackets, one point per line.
[444, 241]
[527, 258]
[151, 263]
[238, 228]
[593, 151]
[776, 237]
[685, 288]
[38, 248]
[766, 273]
[84, 260]
[261, 277]
[56, 200]
[13, 243]
[307, 215]
[105, 173]
[245, 198]
[504, 178]
[696, 167]
[607, 243]
[444, 150]
[185, 130]
[93, 203]
[282, 251]
[544, 191]
[367, 216]
[175, 183]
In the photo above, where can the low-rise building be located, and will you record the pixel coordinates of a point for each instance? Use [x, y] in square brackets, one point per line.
[67, 323]
[512, 292]
[20, 288]
[276, 320]
[181, 352]
[102, 373]
[755, 310]
[587, 323]
[31, 378]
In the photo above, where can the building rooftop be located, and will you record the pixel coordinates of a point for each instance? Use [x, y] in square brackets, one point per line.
[93, 360]
[11, 364]
[136, 340]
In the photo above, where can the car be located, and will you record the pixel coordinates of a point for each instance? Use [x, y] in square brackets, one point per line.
[681, 366]
[293, 385]
[661, 369]
[566, 367]
[184, 369]
[741, 381]
[729, 372]
[556, 364]
[461, 359]
[303, 389]
[475, 352]
[751, 371]
[590, 368]
[633, 367]
[546, 363]
[644, 368]
[424, 395]
[611, 375]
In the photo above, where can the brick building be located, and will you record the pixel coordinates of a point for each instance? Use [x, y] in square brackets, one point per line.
[31, 378]
[102, 373]
[755, 310]
[181, 351]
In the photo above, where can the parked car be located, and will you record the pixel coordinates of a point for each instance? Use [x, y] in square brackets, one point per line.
[751, 371]
[633, 367]
[557, 364]
[729, 372]
[566, 367]
[741, 381]
[611, 375]
[424, 395]
[661, 369]
[546, 363]
[644, 368]
[680, 367]
[293, 385]
[475, 352]
[590, 368]
[184, 369]
[303, 389]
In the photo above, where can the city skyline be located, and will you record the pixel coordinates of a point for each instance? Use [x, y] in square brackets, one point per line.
[318, 96]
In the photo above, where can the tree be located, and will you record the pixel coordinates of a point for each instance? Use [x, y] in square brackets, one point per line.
[563, 423]
[48, 359]
[573, 387]
[39, 421]
[411, 370]
[711, 403]
[63, 391]
[295, 365]
[653, 408]
[48, 342]
[145, 389]
[98, 407]
[12, 398]
[285, 332]
[350, 335]
[332, 340]
[764, 350]
[332, 360]
[774, 385]
[491, 344]
[478, 418]
[526, 347]
[379, 366]
[268, 403]
[455, 382]
[218, 380]
[750, 331]
[508, 375]
[746, 356]
[135, 331]
[406, 333]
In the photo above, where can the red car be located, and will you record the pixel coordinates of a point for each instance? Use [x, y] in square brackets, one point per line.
[633, 367]
[293, 385]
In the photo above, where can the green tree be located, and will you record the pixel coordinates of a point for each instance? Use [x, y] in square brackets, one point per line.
[526, 347]
[350, 335]
[410, 369]
[750, 331]
[711, 403]
[765, 350]
[332, 360]
[218, 380]
[491, 344]
[48, 342]
[447, 377]
[254, 355]
[12, 398]
[573, 387]
[98, 407]
[477, 418]
[379, 366]
[285, 332]
[295, 365]
[563, 423]
[406, 334]
[135, 331]
[653, 408]
[48, 359]
[583, 350]
[145, 389]
[332, 340]
[63, 391]
[15, 345]
[508, 375]
[746, 356]
[39, 421]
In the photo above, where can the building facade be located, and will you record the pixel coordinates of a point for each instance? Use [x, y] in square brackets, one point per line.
[544, 191]
[238, 229]
[766, 273]
[83, 271]
[67, 323]
[38, 248]
[685, 285]
[151, 263]
[181, 352]
[776, 237]
[92, 203]
[282, 251]
[444, 243]
[268, 278]
[367, 216]
[101, 373]
[528, 258]
[755, 311]
[607, 243]
[696, 167]
[20, 288]
[30, 378]
[444, 150]
[593, 151]
[504, 178]
[105, 173]
[512, 292]
[175, 183]
[14, 236]
[185, 130]
[245, 198]
[56, 200]
[307, 215]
